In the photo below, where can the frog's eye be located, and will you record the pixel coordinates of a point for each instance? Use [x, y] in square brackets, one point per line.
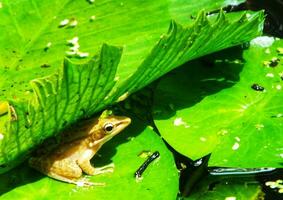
[108, 127]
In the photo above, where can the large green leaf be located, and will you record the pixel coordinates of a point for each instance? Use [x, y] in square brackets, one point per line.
[36, 45]
[124, 151]
[210, 107]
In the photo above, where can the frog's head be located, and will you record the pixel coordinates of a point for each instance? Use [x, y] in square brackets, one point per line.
[108, 126]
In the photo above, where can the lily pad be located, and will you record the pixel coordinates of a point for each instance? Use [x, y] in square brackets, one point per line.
[124, 151]
[228, 105]
[212, 188]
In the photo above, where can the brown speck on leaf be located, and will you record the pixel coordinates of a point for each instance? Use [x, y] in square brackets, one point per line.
[45, 66]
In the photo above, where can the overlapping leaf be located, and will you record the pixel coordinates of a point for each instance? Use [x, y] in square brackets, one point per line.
[227, 106]
[80, 90]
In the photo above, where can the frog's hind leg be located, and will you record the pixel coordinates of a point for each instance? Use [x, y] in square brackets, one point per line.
[78, 182]
[87, 168]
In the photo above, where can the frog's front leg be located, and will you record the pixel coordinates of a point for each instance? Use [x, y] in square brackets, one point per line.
[85, 165]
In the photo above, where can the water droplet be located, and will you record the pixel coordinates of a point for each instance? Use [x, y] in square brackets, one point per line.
[278, 87]
[235, 146]
[1, 136]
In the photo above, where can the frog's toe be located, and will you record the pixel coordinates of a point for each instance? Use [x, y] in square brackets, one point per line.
[88, 184]
[105, 169]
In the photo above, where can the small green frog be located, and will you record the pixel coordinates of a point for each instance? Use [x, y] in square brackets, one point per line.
[77, 147]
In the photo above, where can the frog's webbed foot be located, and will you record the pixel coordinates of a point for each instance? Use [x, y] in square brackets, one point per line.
[105, 169]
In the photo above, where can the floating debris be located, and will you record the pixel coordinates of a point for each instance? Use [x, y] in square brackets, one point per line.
[238, 139]
[274, 62]
[257, 87]
[73, 41]
[262, 41]
[278, 184]
[278, 87]
[48, 45]
[259, 126]
[1, 136]
[92, 18]
[73, 23]
[235, 146]
[82, 54]
[179, 121]
[270, 75]
[277, 116]
[203, 139]
[1, 5]
[70, 53]
[143, 167]
[266, 63]
[74, 48]
[271, 63]
[64, 23]
[145, 154]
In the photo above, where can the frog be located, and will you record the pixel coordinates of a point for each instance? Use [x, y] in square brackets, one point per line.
[78, 145]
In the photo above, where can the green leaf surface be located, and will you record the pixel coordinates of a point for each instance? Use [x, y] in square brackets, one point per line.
[210, 107]
[37, 43]
[124, 151]
[212, 188]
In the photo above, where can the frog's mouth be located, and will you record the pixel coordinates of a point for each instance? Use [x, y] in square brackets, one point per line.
[120, 125]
